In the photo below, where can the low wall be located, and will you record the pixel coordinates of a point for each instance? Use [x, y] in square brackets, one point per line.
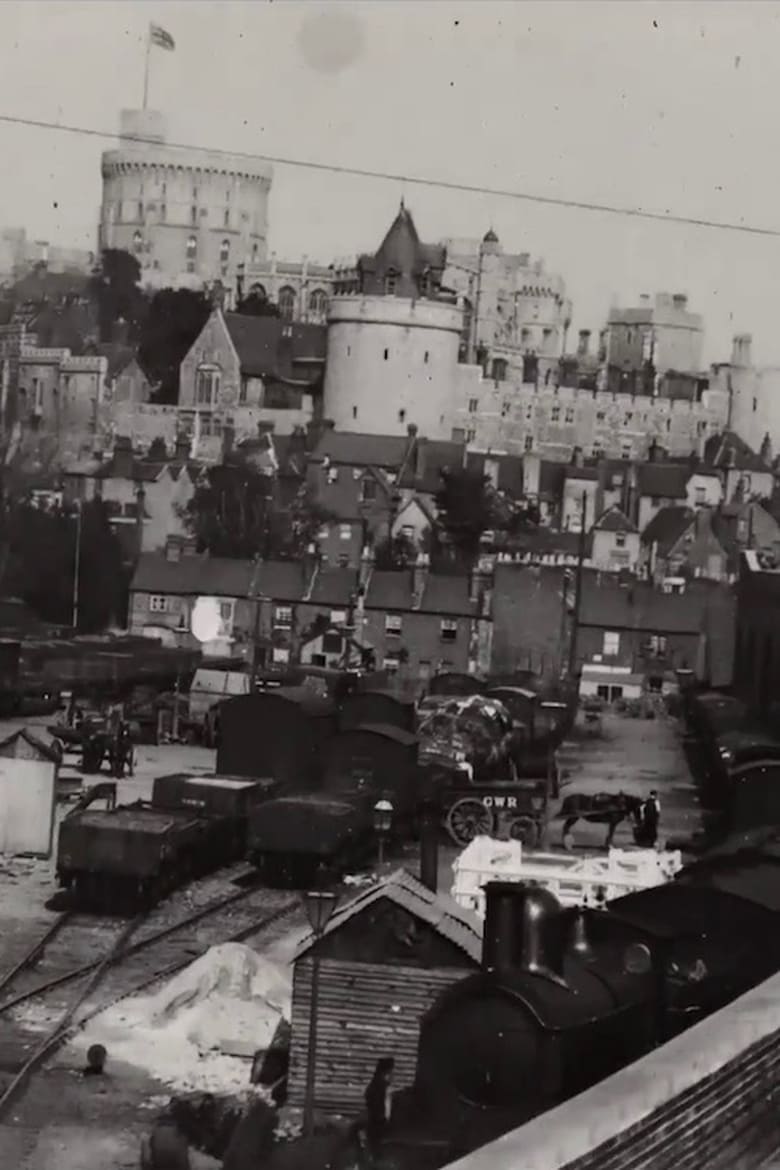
[707, 1100]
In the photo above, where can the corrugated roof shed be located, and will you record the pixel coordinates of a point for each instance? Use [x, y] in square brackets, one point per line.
[439, 911]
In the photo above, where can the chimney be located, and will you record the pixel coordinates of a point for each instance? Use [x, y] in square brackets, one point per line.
[174, 546]
[741, 348]
[228, 440]
[499, 935]
[578, 458]
[579, 943]
[532, 467]
[420, 459]
[680, 301]
[419, 578]
[583, 345]
[181, 451]
[366, 568]
[123, 458]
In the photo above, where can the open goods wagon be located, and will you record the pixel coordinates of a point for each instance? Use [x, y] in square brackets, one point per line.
[119, 857]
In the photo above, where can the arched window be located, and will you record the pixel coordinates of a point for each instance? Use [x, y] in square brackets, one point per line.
[258, 290]
[224, 252]
[138, 243]
[391, 282]
[318, 304]
[287, 303]
[499, 369]
[255, 252]
[207, 384]
[192, 253]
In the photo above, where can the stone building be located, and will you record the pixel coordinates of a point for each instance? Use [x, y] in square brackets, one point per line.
[187, 216]
[654, 337]
[515, 315]
[300, 290]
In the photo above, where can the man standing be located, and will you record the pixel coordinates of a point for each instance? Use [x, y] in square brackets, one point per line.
[378, 1100]
[651, 815]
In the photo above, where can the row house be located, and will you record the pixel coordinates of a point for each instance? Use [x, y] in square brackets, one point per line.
[148, 495]
[705, 542]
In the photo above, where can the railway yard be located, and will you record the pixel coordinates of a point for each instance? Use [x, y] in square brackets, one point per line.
[90, 973]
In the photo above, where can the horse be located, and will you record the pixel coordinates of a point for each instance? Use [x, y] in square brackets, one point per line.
[601, 808]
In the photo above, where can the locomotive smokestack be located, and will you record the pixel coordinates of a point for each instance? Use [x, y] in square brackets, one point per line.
[541, 941]
[579, 943]
[499, 938]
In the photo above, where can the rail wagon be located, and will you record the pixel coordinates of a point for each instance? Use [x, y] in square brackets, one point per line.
[378, 706]
[280, 734]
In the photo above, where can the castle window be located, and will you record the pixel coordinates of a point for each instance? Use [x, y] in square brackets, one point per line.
[387, 354]
[473, 405]
[425, 358]
[529, 443]
[226, 218]
[192, 253]
[255, 251]
[354, 412]
[499, 369]
[569, 414]
[401, 415]
[555, 414]
[140, 210]
[207, 383]
[318, 304]
[138, 243]
[163, 212]
[224, 255]
[287, 303]
[193, 215]
[391, 282]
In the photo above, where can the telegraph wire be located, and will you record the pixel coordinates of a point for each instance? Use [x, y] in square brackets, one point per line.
[410, 180]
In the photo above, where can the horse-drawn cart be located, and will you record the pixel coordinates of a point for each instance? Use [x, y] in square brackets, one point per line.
[509, 810]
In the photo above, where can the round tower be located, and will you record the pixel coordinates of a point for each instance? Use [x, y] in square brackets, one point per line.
[392, 362]
[188, 216]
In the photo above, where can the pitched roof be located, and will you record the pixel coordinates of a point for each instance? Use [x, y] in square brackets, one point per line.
[279, 580]
[509, 468]
[435, 455]
[639, 606]
[193, 575]
[286, 351]
[45, 747]
[359, 450]
[614, 520]
[342, 496]
[440, 911]
[667, 526]
[444, 594]
[544, 542]
[663, 481]
[333, 587]
[572, 471]
[729, 450]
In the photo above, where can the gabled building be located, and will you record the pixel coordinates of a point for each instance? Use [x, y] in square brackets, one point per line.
[402, 266]
[244, 370]
[682, 541]
[614, 542]
[744, 474]
[147, 494]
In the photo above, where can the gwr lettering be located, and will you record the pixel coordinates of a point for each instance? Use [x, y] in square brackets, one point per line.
[499, 801]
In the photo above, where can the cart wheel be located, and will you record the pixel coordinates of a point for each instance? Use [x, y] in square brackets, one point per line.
[468, 818]
[525, 830]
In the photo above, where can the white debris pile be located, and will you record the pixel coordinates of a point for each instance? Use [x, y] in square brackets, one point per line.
[202, 1028]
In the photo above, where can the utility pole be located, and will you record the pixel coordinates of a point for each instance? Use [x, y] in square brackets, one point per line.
[575, 622]
[77, 567]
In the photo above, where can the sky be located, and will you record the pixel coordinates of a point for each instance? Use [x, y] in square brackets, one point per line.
[663, 106]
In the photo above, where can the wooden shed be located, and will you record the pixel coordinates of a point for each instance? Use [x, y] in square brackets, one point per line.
[384, 958]
[25, 745]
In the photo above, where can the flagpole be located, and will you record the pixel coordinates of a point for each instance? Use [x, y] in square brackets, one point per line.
[146, 67]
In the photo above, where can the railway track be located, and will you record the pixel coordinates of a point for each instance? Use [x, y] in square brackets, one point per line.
[62, 996]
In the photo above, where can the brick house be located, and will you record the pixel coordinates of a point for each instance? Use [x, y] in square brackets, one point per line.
[146, 494]
[166, 585]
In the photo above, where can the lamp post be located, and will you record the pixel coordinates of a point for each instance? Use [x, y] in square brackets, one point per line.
[319, 906]
[383, 821]
[77, 567]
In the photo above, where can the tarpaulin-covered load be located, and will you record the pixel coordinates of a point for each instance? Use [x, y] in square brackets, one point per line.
[473, 734]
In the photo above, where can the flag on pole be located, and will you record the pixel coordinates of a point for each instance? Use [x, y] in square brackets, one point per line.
[158, 36]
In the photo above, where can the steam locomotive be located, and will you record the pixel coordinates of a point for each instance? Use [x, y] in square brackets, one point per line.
[564, 998]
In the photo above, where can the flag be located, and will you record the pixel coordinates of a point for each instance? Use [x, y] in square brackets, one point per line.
[158, 36]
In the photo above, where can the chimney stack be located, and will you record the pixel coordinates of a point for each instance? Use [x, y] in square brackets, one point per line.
[741, 354]
[583, 345]
[680, 301]
[419, 578]
[123, 458]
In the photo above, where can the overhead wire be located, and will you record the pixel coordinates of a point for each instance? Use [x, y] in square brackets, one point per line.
[409, 180]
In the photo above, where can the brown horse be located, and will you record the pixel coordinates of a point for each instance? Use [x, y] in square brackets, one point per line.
[601, 808]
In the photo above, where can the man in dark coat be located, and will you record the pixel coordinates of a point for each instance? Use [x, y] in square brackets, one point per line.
[651, 815]
[378, 1098]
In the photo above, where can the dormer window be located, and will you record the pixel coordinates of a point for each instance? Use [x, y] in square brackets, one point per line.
[207, 385]
[391, 282]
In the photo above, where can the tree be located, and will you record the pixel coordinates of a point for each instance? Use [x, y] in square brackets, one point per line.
[397, 552]
[230, 515]
[256, 304]
[468, 506]
[116, 288]
[296, 528]
[174, 320]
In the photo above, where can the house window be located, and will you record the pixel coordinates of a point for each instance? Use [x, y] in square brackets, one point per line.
[611, 644]
[368, 491]
[391, 282]
[227, 611]
[701, 495]
[287, 303]
[280, 655]
[569, 414]
[391, 663]
[345, 531]
[626, 453]
[528, 445]
[138, 243]
[332, 643]
[555, 414]
[407, 531]
[283, 617]
[393, 625]
[333, 474]
[207, 383]
[473, 405]
[338, 617]
[158, 603]
[448, 630]
[620, 540]
[499, 369]
[656, 644]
